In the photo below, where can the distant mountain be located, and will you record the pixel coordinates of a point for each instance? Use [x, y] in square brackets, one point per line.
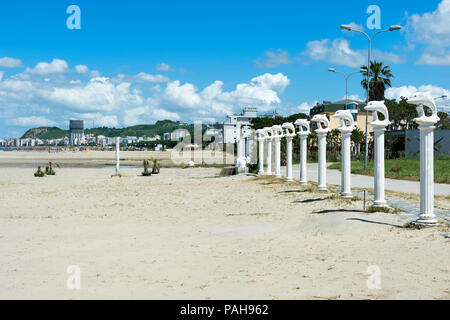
[45, 133]
[142, 130]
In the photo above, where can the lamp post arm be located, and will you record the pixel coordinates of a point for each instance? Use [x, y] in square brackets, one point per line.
[378, 33]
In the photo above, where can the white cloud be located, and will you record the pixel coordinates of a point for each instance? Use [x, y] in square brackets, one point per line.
[145, 77]
[56, 66]
[126, 100]
[432, 27]
[406, 91]
[338, 52]
[8, 62]
[164, 67]
[305, 107]
[355, 97]
[99, 94]
[213, 102]
[182, 95]
[438, 57]
[354, 26]
[99, 119]
[274, 59]
[94, 73]
[33, 121]
[432, 30]
[81, 68]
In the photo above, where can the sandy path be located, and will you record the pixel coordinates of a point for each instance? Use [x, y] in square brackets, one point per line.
[187, 234]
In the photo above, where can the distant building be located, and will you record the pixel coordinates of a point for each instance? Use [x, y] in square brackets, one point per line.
[329, 108]
[76, 132]
[179, 134]
[166, 136]
[233, 125]
[271, 115]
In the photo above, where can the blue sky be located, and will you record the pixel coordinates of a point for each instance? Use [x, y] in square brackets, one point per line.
[140, 61]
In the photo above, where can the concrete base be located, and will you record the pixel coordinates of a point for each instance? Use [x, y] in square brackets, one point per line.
[379, 204]
[426, 223]
[278, 176]
[289, 180]
[241, 170]
[324, 189]
[346, 195]
[303, 183]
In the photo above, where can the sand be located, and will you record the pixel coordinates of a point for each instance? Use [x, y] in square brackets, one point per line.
[189, 234]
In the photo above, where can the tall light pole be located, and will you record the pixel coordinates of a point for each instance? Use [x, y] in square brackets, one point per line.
[349, 28]
[346, 81]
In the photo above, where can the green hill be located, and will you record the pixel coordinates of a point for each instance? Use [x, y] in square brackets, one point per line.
[142, 130]
[45, 133]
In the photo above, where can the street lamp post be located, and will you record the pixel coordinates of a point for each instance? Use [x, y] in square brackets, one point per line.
[349, 28]
[346, 81]
[441, 97]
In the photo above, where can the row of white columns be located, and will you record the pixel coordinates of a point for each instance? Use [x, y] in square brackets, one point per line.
[347, 125]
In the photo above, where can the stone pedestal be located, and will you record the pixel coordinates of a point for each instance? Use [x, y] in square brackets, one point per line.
[289, 159]
[303, 132]
[117, 156]
[346, 191]
[427, 216]
[261, 156]
[347, 125]
[303, 162]
[322, 181]
[241, 148]
[277, 157]
[289, 134]
[269, 156]
[426, 127]
[378, 200]
[379, 126]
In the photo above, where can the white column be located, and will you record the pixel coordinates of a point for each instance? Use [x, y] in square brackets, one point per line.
[240, 148]
[303, 163]
[379, 200]
[269, 156]
[117, 155]
[346, 191]
[261, 156]
[277, 158]
[289, 159]
[322, 141]
[427, 215]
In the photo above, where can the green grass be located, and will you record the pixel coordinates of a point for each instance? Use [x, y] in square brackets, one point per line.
[403, 168]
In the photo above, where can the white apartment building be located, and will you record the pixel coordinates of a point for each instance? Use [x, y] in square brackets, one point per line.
[233, 125]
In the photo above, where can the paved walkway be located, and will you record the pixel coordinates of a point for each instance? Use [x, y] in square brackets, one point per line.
[360, 181]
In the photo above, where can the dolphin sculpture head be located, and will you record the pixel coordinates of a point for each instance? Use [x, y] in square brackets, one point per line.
[277, 131]
[323, 123]
[303, 127]
[261, 134]
[289, 129]
[343, 116]
[375, 107]
[424, 99]
[269, 133]
[247, 131]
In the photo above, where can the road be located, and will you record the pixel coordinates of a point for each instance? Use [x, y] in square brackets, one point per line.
[360, 181]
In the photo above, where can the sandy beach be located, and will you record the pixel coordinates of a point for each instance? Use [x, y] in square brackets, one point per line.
[191, 234]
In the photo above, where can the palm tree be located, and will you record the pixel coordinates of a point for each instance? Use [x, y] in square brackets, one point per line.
[380, 76]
